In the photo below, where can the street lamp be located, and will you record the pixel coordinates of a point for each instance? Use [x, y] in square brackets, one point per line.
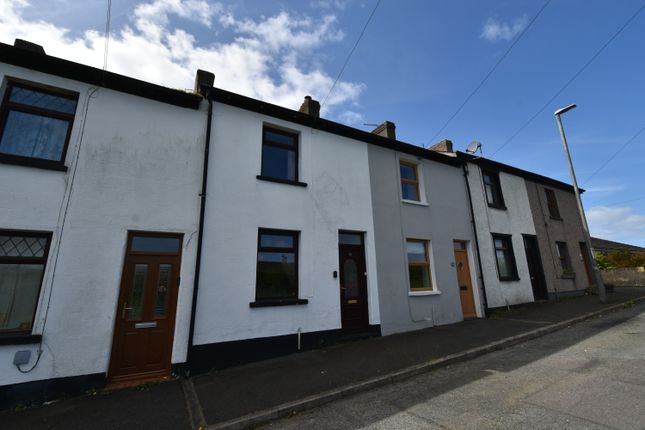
[594, 268]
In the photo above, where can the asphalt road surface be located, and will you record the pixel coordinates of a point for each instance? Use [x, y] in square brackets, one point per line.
[588, 376]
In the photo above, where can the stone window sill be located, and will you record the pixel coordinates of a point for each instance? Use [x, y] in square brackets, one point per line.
[414, 202]
[423, 293]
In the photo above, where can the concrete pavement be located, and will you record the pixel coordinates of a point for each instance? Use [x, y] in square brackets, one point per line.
[588, 376]
[160, 406]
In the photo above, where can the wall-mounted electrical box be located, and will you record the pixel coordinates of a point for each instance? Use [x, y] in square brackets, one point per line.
[21, 357]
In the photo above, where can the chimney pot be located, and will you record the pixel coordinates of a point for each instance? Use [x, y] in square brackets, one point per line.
[310, 107]
[387, 129]
[203, 81]
[443, 146]
[28, 46]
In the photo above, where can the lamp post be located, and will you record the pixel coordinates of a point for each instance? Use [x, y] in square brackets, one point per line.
[594, 268]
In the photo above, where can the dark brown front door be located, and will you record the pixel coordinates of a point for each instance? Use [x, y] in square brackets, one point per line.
[145, 318]
[585, 259]
[464, 280]
[353, 283]
[538, 283]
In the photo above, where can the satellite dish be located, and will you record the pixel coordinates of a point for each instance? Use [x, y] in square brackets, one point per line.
[474, 147]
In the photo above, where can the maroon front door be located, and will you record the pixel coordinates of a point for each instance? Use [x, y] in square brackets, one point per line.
[353, 283]
[145, 318]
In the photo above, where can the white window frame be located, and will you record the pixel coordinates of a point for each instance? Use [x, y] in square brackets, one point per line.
[423, 199]
[435, 287]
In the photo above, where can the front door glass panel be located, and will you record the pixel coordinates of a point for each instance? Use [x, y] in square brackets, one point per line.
[155, 244]
[134, 306]
[350, 272]
[350, 239]
[161, 296]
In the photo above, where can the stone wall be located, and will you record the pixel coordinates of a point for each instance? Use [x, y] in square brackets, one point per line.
[566, 228]
[629, 277]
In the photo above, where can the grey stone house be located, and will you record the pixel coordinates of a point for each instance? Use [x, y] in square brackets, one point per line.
[563, 268]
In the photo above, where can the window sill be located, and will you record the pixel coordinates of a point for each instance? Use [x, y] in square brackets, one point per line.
[278, 302]
[557, 218]
[281, 181]
[414, 202]
[20, 339]
[509, 279]
[568, 276]
[33, 162]
[423, 293]
[494, 206]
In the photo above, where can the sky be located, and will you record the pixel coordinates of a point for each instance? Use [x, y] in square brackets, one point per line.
[416, 64]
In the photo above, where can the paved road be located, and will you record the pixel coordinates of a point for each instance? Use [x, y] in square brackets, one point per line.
[589, 376]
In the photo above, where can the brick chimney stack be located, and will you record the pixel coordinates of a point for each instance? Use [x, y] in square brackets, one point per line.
[310, 107]
[387, 129]
[443, 146]
[28, 46]
[203, 81]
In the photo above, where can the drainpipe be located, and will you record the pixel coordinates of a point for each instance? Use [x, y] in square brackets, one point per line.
[472, 220]
[299, 334]
[203, 82]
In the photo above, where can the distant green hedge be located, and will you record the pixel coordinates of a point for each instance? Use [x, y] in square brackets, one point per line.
[620, 259]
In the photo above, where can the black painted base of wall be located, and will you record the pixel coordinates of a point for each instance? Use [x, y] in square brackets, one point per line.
[36, 392]
[563, 294]
[204, 358]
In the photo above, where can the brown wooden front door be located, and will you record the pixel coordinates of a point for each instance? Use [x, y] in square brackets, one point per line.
[353, 283]
[464, 280]
[145, 318]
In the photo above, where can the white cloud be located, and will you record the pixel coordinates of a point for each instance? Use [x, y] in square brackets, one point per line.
[284, 31]
[272, 58]
[152, 18]
[350, 117]
[495, 30]
[616, 223]
[329, 4]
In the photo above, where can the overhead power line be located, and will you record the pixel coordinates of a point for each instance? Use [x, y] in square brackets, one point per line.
[625, 145]
[342, 69]
[573, 78]
[108, 18]
[490, 72]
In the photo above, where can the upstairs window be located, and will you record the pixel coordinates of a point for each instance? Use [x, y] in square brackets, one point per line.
[552, 203]
[563, 256]
[493, 189]
[504, 257]
[277, 268]
[418, 265]
[35, 125]
[409, 181]
[279, 155]
[23, 256]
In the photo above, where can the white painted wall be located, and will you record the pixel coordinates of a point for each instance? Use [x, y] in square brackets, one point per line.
[515, 220]
[337, 197]
[139, 168]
